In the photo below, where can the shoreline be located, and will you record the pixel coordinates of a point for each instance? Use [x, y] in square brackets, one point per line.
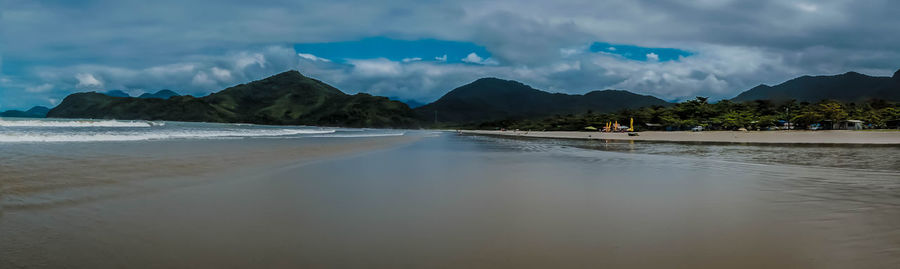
[837, 137]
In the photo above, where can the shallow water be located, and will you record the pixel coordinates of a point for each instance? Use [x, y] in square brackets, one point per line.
[426, 200]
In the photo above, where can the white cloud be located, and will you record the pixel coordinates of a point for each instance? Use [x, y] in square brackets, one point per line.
[652, 57]
[414, 59]
[611, 49]
[376, 67]
[312, 57]
[441, 58]
[807, 7]
[473, 58]
[52, 101]
[39, 88]
[201, 79]
[86, 80]
[567, 52]
[242, 60]
[221, 74]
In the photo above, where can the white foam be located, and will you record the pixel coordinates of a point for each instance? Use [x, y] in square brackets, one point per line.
[142, 136]
[77, 123]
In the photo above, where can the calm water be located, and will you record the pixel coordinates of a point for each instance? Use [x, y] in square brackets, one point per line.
[371, 198]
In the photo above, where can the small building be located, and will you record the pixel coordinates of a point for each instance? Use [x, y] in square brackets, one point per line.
[654, 127]
[847, 125]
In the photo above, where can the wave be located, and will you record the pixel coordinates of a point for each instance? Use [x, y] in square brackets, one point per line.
[359, 135]
[77, 123]
[143, 136]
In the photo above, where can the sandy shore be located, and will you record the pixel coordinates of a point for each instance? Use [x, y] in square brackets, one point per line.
[776, 137]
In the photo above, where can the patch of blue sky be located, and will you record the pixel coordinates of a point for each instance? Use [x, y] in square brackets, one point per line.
[393, 49]
[637, 53]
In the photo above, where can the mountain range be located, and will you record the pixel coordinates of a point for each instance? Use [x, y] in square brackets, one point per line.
[489, 99]
[162, 94]
[34, 112]
[847, 87]
[294, 99]
[288, 98]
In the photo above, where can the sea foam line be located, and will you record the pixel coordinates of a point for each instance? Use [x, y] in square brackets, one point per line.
[77, 123]
[132, 136]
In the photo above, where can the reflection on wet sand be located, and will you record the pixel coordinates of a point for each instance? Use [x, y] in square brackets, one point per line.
[480, 202]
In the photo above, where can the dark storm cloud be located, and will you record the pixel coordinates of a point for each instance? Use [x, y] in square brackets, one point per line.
[51, 48]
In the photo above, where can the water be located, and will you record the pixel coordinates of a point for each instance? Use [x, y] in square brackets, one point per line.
[426, 200]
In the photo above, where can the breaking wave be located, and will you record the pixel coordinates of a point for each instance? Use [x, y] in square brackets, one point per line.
[77, 123]
[141, 136]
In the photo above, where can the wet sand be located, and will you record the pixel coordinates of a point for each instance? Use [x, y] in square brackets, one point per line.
[774, 137]
[477, 202]
[39, 176]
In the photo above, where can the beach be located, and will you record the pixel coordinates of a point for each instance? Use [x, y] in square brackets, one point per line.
[423, 199]
[763, 137]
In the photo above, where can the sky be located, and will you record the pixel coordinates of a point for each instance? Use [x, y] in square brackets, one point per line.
[421, 49]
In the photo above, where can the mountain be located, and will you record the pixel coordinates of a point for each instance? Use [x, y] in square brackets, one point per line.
[117, 93]
[34, 112]
[163, 94]
[288, 98]
[847, 87]
[489, 99]
[409, 102]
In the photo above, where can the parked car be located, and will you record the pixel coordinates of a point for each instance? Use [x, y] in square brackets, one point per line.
[697, 128]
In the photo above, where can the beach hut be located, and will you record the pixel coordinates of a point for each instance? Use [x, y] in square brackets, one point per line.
[847, 125]
[654, 127]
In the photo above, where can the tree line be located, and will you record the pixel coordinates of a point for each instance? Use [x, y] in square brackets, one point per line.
[722, 115]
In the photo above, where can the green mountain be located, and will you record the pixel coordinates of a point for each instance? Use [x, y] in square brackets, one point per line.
[117, 93]
[34, 112]
[490, 99]
[847, 87]
[163, 94]
[288, 98]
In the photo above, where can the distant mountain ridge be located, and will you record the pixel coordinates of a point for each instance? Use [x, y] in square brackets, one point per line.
[489, 99]
[288, 98]
[847, 87]
[162, 94]
[34, 112]
[117, 93]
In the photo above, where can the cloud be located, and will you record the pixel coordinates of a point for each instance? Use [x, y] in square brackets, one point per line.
[473, 58]
[243, 60]
[413, 59]
[40, 88]
[653, 57]
[202, 80]
[735, 44]
[376, 67]
[87, 81]
[312, 57]
[807, 7]
[221, 74]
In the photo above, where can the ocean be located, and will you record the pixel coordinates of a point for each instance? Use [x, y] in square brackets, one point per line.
[139, 194]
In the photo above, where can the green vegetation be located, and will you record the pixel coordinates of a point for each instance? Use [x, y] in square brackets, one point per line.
[723, 115]
[288, 98]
